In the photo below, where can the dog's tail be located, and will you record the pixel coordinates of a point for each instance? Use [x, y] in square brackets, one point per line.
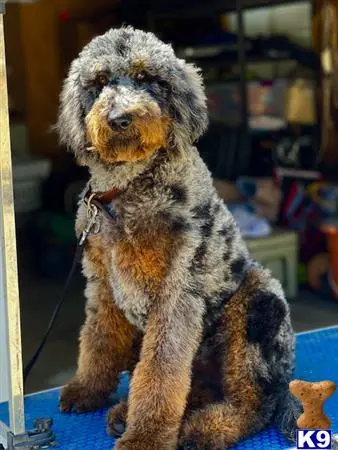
[288, 411]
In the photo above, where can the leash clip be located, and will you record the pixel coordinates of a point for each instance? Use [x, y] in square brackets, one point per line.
[93, 225]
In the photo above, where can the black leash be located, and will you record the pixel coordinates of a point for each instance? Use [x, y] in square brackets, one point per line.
[95, 203]
[76, 260]
[92, 212]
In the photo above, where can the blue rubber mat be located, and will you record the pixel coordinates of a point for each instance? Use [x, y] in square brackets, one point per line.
[317, 359]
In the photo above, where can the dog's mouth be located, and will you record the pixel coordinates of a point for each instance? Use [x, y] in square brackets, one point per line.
[115, 142]
[122, 139]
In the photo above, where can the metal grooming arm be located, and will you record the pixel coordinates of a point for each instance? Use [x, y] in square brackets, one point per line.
[14, 436]
[8, 263]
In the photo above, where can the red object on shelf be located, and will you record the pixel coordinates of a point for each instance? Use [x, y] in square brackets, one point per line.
[331, 232]
[64, 15]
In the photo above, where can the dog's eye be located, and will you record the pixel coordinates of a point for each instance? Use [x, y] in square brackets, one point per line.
[102, 79]
[141, 76]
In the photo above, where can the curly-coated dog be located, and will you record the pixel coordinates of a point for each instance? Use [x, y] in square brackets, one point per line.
[173, 295]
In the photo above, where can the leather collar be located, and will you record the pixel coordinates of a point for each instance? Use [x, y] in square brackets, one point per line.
[102, 200]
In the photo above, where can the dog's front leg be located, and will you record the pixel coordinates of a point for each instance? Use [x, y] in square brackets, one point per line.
[161, 380]
[106, 349]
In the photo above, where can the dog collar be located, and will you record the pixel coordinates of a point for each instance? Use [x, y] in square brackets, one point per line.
[102, 197]
[102, 201]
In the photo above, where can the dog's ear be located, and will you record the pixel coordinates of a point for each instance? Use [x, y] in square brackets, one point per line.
[196, 100]
[189, 103]
[71, 112]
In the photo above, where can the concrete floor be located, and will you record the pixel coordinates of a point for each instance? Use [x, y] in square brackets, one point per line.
[58, 361]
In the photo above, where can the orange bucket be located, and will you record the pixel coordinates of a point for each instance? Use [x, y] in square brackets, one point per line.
[331, 232]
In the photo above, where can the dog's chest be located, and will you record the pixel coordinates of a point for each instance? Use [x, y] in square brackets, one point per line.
[133, 269]
[129, 298]
[137, 271]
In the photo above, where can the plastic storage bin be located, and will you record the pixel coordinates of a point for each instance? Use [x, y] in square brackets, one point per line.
[28, 175]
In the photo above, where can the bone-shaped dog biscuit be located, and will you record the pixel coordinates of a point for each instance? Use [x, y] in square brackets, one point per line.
[313, 396]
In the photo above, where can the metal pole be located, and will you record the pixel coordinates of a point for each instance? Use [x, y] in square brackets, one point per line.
[8, 261]
[244, 151]
[242, 60]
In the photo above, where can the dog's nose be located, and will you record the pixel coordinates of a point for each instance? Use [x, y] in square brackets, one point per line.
[120, 122]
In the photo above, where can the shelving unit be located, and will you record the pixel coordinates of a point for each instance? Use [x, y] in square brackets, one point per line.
[212, 9]
[215, 6]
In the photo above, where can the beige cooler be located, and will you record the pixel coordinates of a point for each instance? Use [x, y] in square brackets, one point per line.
[279, 253]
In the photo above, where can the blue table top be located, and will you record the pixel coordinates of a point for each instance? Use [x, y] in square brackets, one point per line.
[317, 359]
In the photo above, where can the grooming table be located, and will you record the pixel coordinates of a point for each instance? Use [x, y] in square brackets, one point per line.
[317, 359]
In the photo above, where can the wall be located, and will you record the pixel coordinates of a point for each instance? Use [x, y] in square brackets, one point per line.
[16, 82]
[39, 60]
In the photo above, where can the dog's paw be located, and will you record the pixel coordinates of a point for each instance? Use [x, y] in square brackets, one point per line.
[125, 443]
[187, 446]
[191, 442]
[196, 440]
[117, 419]
[76, 396]
[134, 441]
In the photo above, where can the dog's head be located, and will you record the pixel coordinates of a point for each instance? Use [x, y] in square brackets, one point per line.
[126, 96]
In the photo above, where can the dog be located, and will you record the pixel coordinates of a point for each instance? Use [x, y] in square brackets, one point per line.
[173, 295]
